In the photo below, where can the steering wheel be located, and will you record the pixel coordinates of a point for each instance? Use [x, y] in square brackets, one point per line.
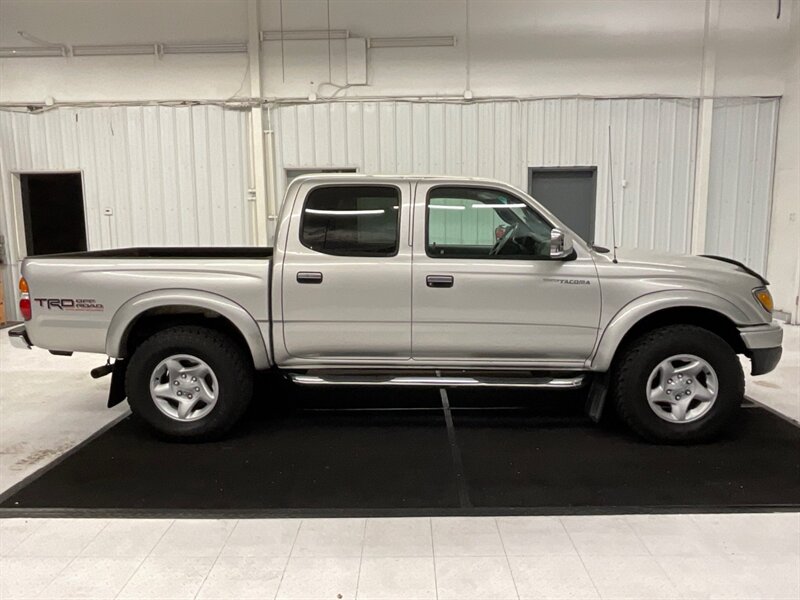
[500, 244]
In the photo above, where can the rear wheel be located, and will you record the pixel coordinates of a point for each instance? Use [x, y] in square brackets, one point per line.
[189, 383]
[676, 384]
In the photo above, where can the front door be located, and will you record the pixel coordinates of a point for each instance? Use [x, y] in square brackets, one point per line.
[484, 288]
[347, 273]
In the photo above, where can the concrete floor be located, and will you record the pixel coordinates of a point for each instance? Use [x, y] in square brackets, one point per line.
[780, 389]
[49, 404]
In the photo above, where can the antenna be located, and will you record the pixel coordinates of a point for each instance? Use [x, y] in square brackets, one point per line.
[611, 188]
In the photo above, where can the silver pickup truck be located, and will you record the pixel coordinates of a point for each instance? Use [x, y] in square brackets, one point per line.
[409, 281]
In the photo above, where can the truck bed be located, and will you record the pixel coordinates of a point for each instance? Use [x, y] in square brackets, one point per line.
[172, 252]
[77, 296]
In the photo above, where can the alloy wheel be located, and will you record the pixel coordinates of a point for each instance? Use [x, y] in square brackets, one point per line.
[184, 387]
[682, 388]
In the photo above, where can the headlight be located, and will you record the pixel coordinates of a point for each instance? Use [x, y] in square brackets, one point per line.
[764, 298]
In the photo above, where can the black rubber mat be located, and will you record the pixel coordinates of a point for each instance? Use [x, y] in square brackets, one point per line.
[562, 461]
[382, 451]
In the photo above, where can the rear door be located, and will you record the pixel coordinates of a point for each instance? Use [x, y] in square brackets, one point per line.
[346, 276]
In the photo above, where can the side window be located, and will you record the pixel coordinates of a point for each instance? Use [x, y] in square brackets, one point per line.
[355, 220]
[468, 222]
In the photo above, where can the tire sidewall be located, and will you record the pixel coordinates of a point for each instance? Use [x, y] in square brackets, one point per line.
[218, 352]
[672, 342]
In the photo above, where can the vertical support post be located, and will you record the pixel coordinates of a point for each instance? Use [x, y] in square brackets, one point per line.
[702, 172]
[257, 122]
[272, 193]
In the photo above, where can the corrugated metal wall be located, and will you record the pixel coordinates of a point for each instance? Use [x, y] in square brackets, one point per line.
[743, 139]
[653, 149]
[172, 176]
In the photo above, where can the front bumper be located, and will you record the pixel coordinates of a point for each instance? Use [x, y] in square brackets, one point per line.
[19, 337]
[763, 346]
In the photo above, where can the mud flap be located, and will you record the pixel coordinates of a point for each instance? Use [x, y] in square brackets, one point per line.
[116, 394]
[596, 399]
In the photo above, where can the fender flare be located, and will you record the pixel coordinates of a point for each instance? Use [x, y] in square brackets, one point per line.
[127, 314]
[633, 312]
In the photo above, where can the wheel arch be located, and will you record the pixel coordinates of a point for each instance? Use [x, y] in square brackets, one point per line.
[705, 310]
[149, 312]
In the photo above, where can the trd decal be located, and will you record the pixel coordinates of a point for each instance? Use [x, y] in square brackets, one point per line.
[71, 304]
[569, 281]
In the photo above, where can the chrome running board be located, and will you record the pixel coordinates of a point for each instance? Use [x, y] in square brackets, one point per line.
[563, 383]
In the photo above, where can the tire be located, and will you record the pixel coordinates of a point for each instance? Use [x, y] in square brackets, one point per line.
[641, 377]
[211, 355]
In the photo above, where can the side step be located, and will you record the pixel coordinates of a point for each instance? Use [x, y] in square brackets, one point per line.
[563, 383]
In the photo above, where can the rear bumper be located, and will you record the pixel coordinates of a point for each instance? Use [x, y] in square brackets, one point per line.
[763, 346]
[19, 338]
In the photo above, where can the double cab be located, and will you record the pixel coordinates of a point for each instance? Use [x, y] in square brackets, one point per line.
[409, 281]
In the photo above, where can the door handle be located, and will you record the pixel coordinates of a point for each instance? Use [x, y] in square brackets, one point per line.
[309, 277]
[439, 281]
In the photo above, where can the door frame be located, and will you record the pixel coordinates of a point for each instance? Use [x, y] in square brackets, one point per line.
[532, 171]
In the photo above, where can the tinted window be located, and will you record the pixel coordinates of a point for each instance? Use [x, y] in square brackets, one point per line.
[352, 220]
[484, 223]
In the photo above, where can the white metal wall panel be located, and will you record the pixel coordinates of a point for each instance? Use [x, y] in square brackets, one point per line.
[173, 176]
[743, 137]
[653, 150]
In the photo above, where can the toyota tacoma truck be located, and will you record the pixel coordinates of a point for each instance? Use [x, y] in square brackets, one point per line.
[409, 281]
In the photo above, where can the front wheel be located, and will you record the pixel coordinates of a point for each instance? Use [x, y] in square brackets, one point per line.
[678, 384]
[189, 383]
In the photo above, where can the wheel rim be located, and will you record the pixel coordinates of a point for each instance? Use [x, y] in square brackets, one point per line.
[184, 388]
[682, 388]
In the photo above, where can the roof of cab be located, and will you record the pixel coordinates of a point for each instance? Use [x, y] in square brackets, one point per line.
[387, 177]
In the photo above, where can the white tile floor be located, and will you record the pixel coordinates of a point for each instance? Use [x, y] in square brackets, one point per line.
[631, 556]
[641, 556]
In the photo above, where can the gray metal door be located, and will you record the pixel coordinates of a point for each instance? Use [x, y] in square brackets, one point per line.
[569, 193]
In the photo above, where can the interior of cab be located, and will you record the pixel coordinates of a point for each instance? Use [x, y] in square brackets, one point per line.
[484, 223]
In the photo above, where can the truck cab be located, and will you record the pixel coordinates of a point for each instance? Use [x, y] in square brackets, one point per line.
[436, 273]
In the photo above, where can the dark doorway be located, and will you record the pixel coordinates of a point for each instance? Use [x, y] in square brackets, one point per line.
[52, 209]
[569, 193]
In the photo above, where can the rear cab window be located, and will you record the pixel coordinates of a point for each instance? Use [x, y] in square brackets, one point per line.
[352, 220]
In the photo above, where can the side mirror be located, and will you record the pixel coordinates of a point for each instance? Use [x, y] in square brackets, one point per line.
[560, 245]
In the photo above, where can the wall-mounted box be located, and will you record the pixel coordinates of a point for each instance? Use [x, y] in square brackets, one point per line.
[356, 61]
